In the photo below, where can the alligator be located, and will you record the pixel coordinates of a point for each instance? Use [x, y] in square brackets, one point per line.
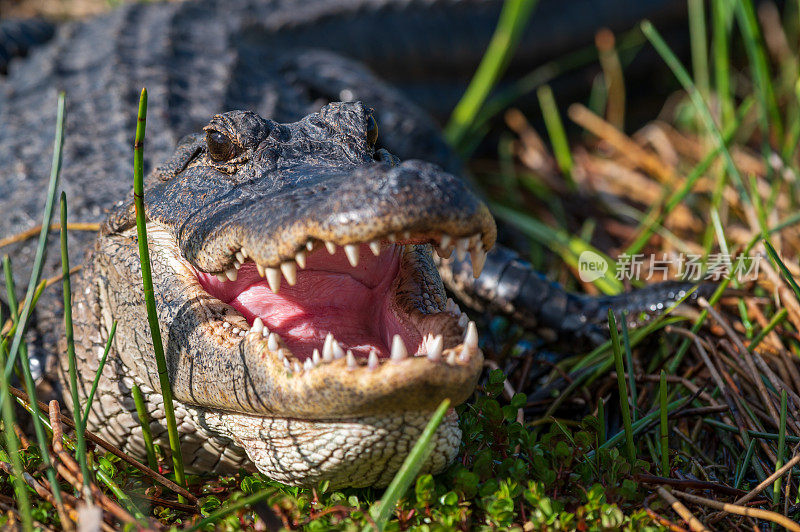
[300, 244]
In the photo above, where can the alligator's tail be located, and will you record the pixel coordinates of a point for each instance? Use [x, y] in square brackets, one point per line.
[17, 36]
[511, 286]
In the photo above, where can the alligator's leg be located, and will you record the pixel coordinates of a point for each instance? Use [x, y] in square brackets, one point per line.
[511, 286]
[17, 36]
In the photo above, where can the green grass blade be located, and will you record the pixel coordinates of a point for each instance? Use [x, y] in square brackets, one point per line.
[513, 19]
[721, 23]
[408, 471]
[144, 422]
[697, 37]
[787, 275]
[33, 284]
[697, 100]
[664, 428]
[637, 427]
[230, 508]
[80, 438]
[770, 115]
[150, 301]
[555, 129]
[601, 420]
[47, 217]
[776, 490]
[12, 446]
[96, 381]
[13, 306]
[776, 320]
[748, 458]
[626, 342]
[30, 388]
[623, 389]
[568, 247]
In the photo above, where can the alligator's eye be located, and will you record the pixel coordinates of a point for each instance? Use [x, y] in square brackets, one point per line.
[372, 131]
[220, 145]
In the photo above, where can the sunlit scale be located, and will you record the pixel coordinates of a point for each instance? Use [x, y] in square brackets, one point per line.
[338, 304]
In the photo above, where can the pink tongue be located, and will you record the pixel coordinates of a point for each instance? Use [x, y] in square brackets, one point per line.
[357, 312]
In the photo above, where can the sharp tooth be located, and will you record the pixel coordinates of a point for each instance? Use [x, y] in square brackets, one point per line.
[392, 237]
[309, 245]
[308, 364]
[240, 256]
[406, 235]
[351, 250]
[258, 325]
[300, 259]
[398, 348]
[451, 358]
[372, 363]
[261, 270]
[242, 333]
[375, 247]
[471, 338]
[274, 279]
[289, 270]
[327, 348]
[351, 359]
[221, 277]
[463, 320]
[235, 330]
[445, 253]
[461, 248]
[315, 358]
[226, 325]
[331, 247]
[297, 368]
[231, 274]
[478, 260]
[445, 241]
[272, 342]
[287, 365]
[464, 356]
[265, 332]
[244, 253]
[435, 348]
[338, 352]
[237, 265]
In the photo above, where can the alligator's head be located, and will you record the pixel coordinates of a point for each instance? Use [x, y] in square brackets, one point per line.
[299, 301]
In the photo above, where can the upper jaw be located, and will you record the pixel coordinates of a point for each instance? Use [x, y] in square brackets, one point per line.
[273, 218]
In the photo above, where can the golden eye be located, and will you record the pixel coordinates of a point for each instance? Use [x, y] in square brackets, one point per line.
[220, 146]
[372, 131]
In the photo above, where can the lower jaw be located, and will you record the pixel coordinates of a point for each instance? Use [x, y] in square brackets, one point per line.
[359, 452]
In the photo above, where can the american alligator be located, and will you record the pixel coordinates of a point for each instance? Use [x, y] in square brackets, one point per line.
[307, 329]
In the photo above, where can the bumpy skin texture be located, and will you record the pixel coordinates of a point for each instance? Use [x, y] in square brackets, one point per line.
[206, 57]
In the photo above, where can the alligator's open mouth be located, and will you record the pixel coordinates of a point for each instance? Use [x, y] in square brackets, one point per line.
[365, 303]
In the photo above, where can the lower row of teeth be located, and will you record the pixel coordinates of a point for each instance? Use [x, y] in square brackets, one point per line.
[288, 269]
[331, 350]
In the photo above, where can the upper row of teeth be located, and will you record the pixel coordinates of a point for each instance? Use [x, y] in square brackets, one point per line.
[331, 350]
[288, 269]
